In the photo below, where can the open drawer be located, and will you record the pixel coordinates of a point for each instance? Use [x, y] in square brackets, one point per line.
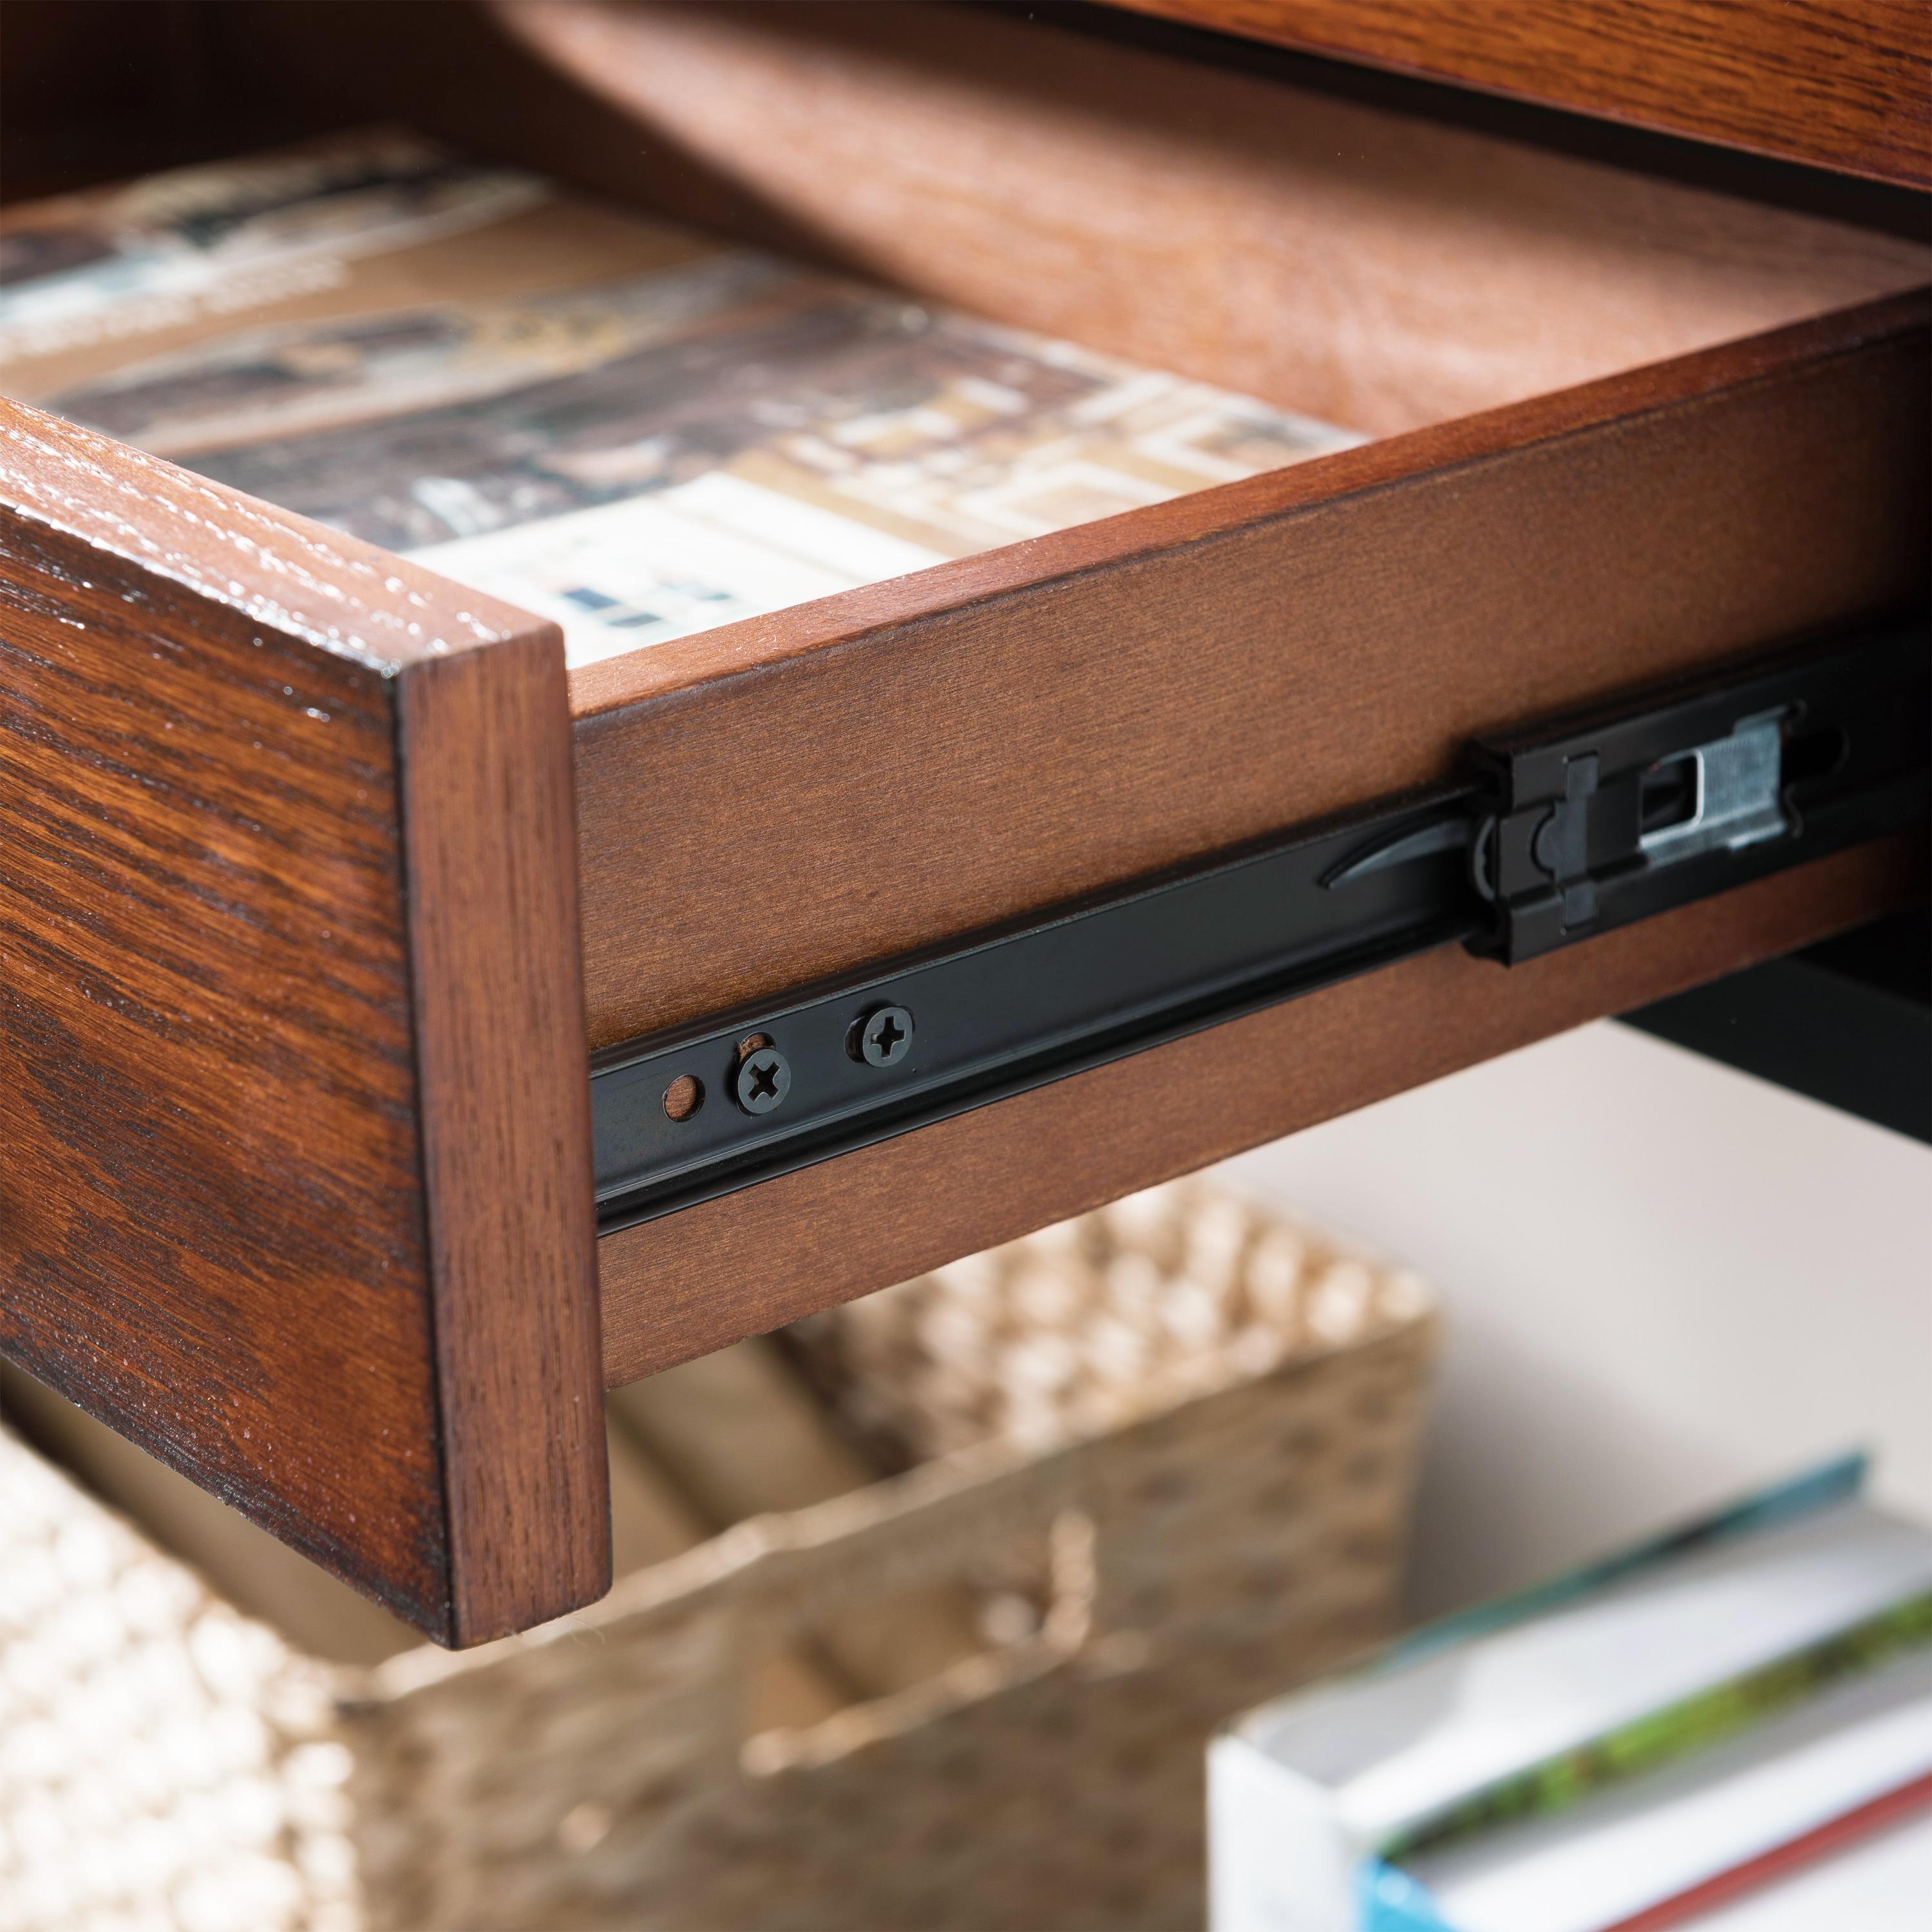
[321, 877]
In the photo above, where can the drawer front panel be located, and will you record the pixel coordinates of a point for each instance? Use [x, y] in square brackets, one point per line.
[212, 1167]
[298, 1187]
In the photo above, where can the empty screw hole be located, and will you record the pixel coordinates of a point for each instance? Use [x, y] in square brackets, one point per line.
[683, 1097]
[1810, 756]
[1668, 794]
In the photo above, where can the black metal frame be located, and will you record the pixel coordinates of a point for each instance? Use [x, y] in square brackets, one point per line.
[1561, 832]
[1848, 1023]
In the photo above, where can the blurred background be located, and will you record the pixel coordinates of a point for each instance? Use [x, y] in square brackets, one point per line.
[1664, 1281]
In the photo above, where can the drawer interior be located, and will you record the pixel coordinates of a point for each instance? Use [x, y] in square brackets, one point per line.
[1362, 265]
[1373, 270]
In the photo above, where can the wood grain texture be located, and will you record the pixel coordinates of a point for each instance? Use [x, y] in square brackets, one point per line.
[806, 793]
[996, 735]
[774, 1253]
[796, 795]
[1366, 266]
[489, 834]
[1843, 84]
[297, 1151]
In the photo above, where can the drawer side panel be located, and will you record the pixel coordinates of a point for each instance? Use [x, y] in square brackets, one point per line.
[678, 1287]
[795, 797]
[817, 791]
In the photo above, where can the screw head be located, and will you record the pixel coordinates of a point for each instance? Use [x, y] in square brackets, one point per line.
[762, 1081]
[884, 1036]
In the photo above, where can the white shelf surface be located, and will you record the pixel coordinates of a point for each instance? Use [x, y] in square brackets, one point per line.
[1665, 1282]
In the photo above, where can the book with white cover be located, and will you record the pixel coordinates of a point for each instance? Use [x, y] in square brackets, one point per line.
[1517, 1709]
[1879, 1883]
[1633, 1845]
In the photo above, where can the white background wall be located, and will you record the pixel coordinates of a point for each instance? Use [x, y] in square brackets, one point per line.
[1664, 1282]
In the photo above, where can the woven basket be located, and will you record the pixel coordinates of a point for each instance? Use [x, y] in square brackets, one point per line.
[166, 1762]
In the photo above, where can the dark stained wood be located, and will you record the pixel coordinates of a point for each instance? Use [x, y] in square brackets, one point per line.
[1844, 84]
[795, 796]
[490, 836]
[1356, 263]
[676, 1288]
[298, 1193]
[297, 1190]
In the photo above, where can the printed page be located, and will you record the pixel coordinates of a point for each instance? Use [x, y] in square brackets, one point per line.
[635, 430]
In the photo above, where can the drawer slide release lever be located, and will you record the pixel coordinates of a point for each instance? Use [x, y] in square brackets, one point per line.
[1611, 817]
[1556, 833]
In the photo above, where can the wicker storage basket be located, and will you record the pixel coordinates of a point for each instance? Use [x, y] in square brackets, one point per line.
[166, 1762]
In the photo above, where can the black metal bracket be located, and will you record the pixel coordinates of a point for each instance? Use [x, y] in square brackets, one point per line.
[1848, 1022]
[1560, 832]
[1614, 815]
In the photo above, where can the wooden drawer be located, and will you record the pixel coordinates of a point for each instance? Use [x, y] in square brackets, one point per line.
[306, 926]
